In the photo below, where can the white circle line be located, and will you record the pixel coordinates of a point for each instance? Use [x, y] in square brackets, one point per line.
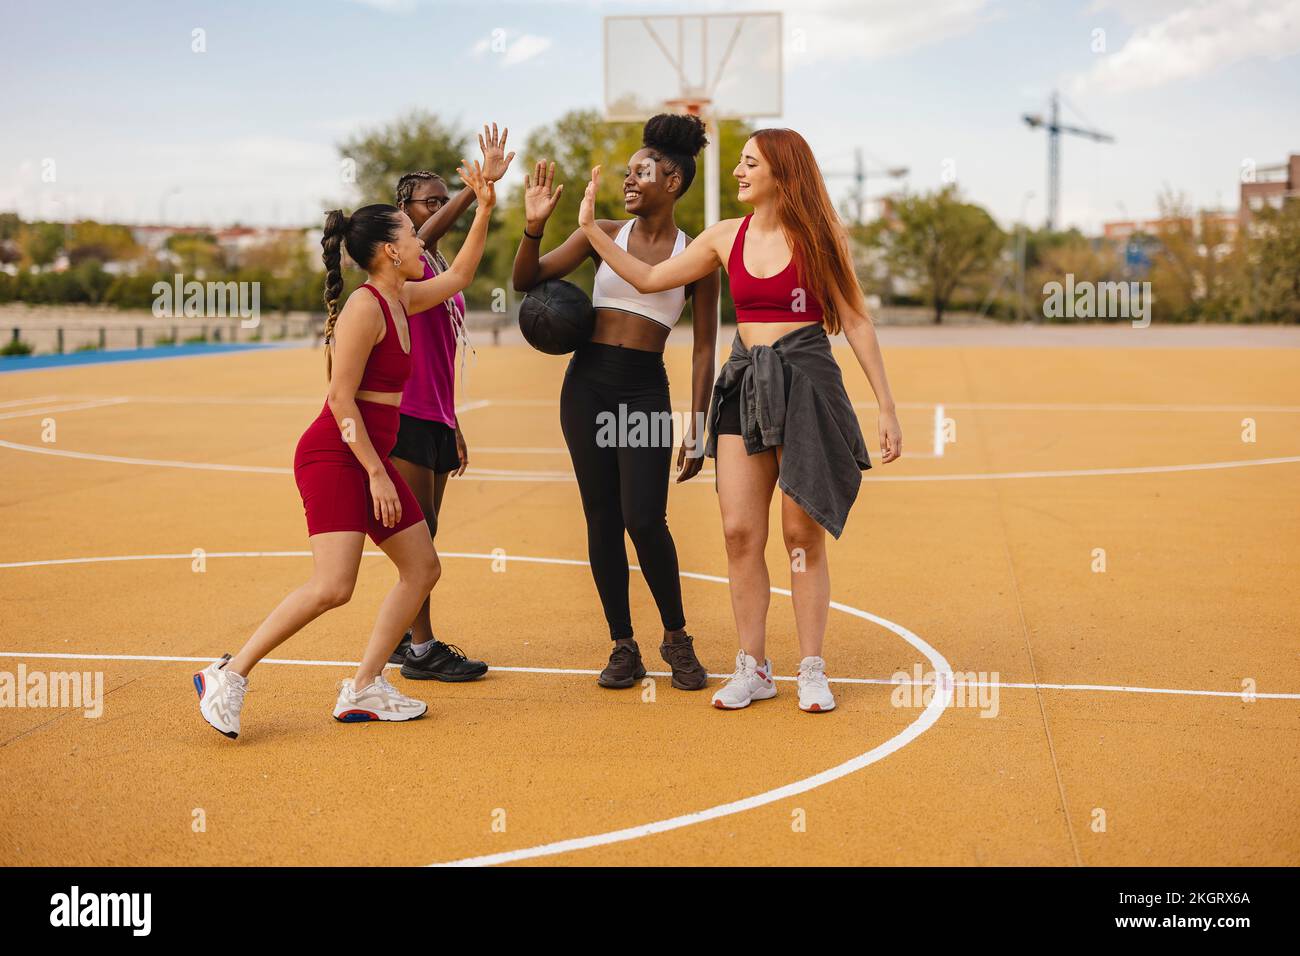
[505, 474]
[1010, 685]
[922, 723]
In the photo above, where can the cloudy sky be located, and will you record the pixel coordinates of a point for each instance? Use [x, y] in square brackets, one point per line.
[110, 112]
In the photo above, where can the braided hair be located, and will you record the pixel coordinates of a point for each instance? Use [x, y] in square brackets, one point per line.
[675, 139]
[406, 185]
[361, 234]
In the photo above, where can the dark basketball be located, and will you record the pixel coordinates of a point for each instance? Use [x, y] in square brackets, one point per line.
[556, 317]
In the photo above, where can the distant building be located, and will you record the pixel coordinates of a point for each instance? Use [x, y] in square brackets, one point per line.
[1121, 230]
[1270, 186]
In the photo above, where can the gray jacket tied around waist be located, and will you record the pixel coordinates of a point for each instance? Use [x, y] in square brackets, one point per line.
[823, 451]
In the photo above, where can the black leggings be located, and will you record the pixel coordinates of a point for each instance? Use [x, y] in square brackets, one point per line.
[622, 460]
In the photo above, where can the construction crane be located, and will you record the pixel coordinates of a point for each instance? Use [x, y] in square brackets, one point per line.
[1054, 129]
[859, 177]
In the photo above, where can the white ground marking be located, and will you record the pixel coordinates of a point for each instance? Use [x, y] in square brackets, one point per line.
[938, 431]
[592, 672]
[510, 474]
[926, 719]
[553, 403]
[567, 562]
[29, 401]
[51, 409]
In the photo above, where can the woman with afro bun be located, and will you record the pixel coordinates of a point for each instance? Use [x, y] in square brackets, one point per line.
[619, 375]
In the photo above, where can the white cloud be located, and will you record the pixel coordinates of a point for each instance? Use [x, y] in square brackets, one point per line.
[525, 48]
[1193, 40]
[520, 49]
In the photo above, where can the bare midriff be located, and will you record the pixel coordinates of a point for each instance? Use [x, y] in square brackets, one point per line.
[383, 398]
[614, 327]
[765, 333]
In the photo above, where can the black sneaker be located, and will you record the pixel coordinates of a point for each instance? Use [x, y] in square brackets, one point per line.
[399, 656]
[444, 662]
[688, 672]
[624, 668]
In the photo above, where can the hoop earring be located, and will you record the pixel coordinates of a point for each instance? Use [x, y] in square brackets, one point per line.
[397, 261]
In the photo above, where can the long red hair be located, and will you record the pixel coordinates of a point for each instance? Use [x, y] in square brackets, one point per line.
[811, 224]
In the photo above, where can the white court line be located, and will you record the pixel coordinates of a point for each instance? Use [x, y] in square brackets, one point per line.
[50, 409]
[592, 672]
[507, 474]
[553, 403]
[926, 719]
[563, 562]
[29, 401]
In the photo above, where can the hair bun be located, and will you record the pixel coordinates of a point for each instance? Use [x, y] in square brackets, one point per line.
[682, 134]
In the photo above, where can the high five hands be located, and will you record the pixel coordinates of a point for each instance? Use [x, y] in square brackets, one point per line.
[485, 190]
[587, 211]
[539, 198]
[493, 147]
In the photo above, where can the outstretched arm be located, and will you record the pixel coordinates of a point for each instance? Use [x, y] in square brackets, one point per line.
[495, 164]
[695, 262]
[419, 296]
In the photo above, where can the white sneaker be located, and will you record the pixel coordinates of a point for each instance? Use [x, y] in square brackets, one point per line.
[752, 681]
[221, 696]
[814, 692]
[379, 701]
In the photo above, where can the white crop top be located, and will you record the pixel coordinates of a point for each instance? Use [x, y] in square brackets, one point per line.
[612, 291]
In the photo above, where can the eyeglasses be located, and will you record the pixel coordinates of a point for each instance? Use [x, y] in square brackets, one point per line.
[437, 202]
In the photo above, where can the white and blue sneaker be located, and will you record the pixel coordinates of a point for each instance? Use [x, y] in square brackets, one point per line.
[221, 696]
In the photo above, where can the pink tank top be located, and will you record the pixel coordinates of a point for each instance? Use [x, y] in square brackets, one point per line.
[430, 392]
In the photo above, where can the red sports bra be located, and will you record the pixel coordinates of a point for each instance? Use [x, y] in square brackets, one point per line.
[388, 366]
[777, 298]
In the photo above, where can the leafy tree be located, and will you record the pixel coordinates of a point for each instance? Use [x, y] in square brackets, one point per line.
[942, 244]
[89, 240]
[419, 140]
[40, 242]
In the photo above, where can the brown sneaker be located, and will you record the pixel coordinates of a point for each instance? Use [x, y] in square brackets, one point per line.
[624, 668]
[688, 672]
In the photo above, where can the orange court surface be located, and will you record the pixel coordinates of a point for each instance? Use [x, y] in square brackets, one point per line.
[1093, 546]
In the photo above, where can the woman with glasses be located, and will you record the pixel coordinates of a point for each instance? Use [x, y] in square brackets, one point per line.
[430, 446]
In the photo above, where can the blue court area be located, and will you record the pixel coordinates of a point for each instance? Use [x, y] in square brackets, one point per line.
[24, 363]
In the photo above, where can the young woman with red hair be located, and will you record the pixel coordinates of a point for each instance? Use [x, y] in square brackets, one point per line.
[779, 413]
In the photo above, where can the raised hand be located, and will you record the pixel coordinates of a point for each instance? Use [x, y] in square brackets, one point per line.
[587, 211]
[485, 190]
[539, 198]
[495, 159]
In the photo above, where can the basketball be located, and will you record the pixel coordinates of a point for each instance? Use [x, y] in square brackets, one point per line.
[556, 317]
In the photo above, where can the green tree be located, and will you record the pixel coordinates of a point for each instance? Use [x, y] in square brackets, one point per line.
[418, 140]
[40, 242]
[1271, 265]
[942, 244]
[101, 242]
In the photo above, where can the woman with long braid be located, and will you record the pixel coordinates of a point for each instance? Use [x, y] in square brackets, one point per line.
[349, 487]
[430, 446]
[780, 414]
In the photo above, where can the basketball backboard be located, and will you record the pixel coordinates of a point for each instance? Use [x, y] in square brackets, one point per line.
[723, 65]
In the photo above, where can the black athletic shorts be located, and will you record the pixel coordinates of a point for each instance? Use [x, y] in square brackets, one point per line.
[729, 407]
[428, 444]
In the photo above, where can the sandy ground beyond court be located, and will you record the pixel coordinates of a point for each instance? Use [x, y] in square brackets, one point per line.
[1120, 734]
